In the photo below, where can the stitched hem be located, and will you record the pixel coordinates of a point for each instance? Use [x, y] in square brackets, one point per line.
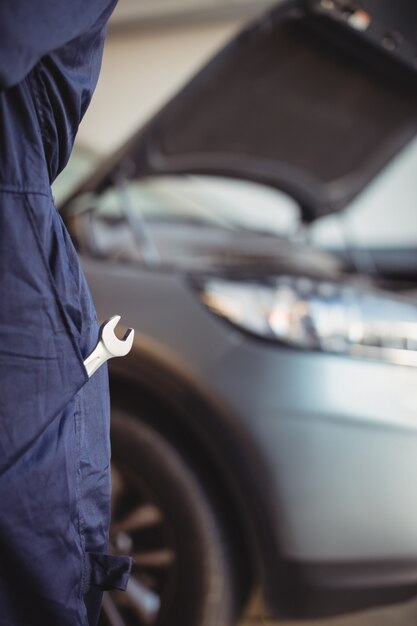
[23, 191]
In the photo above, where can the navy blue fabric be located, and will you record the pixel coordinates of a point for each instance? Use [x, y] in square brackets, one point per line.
[54, 421]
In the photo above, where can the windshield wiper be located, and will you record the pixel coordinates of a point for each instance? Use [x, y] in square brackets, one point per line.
[137, 223]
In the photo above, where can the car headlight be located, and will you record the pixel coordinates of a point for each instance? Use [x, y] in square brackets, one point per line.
[324, 316]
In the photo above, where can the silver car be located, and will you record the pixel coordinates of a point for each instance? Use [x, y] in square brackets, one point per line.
[260, 235]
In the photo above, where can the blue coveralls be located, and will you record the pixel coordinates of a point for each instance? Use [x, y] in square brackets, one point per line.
[54, 422]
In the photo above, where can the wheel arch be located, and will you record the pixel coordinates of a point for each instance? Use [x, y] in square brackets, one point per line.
[216, 443]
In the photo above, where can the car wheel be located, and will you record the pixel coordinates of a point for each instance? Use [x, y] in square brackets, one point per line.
[161, 516]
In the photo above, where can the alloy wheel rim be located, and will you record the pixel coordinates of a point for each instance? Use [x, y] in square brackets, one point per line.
[140, 529]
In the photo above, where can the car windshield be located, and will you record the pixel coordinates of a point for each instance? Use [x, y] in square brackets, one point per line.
[203, 201]
[382, 216]
[376, 233]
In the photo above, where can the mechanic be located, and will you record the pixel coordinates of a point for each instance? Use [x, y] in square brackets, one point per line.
[54, 421]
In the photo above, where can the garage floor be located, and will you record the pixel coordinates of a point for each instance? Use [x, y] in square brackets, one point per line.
[401, 615]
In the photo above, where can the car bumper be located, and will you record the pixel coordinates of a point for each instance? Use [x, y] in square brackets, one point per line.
[339, 440]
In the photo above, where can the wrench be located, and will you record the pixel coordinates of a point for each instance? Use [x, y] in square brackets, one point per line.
[109, 345]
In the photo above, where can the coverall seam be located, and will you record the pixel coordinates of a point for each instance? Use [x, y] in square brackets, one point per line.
[22, 191]
[80, 520]
[40, 112]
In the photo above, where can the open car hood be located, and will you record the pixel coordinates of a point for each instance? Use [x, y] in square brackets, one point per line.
[314, 99]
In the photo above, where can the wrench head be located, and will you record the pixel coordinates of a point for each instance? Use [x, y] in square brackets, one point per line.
[114, 345]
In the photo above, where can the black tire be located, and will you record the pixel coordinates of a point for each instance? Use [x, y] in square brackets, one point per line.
[175, 522]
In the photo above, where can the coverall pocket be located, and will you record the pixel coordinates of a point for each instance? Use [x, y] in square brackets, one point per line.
[37, 382]
[72, 309]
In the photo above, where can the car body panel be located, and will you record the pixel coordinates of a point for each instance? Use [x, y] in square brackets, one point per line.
[307, 424]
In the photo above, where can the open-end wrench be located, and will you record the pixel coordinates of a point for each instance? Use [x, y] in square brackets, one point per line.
[109, 345]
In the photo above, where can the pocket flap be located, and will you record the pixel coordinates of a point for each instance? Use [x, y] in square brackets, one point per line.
[106, 571]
